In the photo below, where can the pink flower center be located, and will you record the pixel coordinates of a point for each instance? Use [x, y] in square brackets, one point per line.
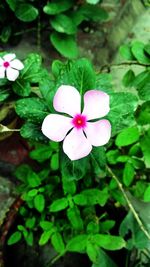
[6, 64]
[79, 121]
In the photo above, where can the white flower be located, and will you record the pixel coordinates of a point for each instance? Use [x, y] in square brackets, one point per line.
[10, 66]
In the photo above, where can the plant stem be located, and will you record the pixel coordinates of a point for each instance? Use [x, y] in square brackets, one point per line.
[142, 227]
[108, 67]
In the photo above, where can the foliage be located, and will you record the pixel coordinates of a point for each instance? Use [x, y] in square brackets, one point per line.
[67, 202]
[62, 19]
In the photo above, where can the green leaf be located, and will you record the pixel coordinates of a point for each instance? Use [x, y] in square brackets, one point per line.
[57, 242]
[41, 153]
[29, 239]
[147, 194]
[109, 242]
[65, 44]
[4, 94]
[22, 172]
[126, 52]
[21, 87]
[104, 260]
[92, 228]
[143, 114]
[80, 200]
[96, 196]
[128, 136]
[32, 109]
[32, 68]
[33, 179]
[57, 7]
[94, 13]
[128, 174]
[69, 186]
[98, 157]
[33, 132]
[145, 145]
[14, 238]
[74, 217]
[147, 49]
[45, 237]
[122, 107]
[112, 156]
[32, 193]
[141, 83]
[104, 82]
[92, 251]
[128, 78]
[59, 204]
[5, 34]
[47, 91]
[106, 225]
[12, 4]
[64, 24]
[54, 163]
[30, 223]
[93, 2]
[138, 52]
[46, 225]
[26, 12]
[77, 243]
[39, 202]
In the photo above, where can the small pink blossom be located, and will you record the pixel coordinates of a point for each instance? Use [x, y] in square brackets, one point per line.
[77, 130]
[10, 66]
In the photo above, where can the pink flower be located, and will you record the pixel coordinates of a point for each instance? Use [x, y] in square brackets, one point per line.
[10, 67]
[82, 133]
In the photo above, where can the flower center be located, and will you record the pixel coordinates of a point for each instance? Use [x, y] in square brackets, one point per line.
[79, 121]
[6, 64]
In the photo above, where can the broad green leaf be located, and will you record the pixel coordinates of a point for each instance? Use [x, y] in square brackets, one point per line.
[104, 260]
[92, 251]
[144, 92]
[109, 242]
[22, 87]
[128, 174]
[65, 44]
[26, 12]
[57, 242]
[143, 114]
[53, 8]
[32, 132]
[32, 192]
[127, 137]
[12, 4]
[96, 196]
[122, 107]
[74, 217]
[138, 52]
[59, 204]
[41, 153]
[77, 243]
[147, 194]
[80, 200]
[46, 87]
[45, 237]
[145, 145]
[141, 83]
[64, 24]
[14, 238]
[106, 225]
[32, 68]
[32, 109]
[39, 202]
[94, 13]
[126, 52]
[128, 78]
[33, 179]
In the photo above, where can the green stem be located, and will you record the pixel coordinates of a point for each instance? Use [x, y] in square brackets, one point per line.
[142, 227]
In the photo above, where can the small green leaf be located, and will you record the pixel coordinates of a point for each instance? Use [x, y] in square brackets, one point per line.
[26, 12]
[74, 217]
[138, 51]
[33, 179]
[93, 12]
[112, 156]
[92, 228]
[64, 24]
[41, 153]
[45, 237]
[126, 52]
[109, 242]
[128, 174]
[29, 239]
[30, 223]
[127, 137]
[39, 202]
[14, 238]
[59, 204]
[46, 225]
[57, 242]
[92, 251]
[80, 200]
[57, 7]
[77, 243]
[128, 78]
[65, 44]
[54, 163]
[147, 194]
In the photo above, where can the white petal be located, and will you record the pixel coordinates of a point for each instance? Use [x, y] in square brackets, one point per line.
[55, 127]
[9, 57]
[76, 145]
[16, 64]
[2, 72]
[98, 133]
[96, 104]
[1, 61]
[12, 74]
[67, 100]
